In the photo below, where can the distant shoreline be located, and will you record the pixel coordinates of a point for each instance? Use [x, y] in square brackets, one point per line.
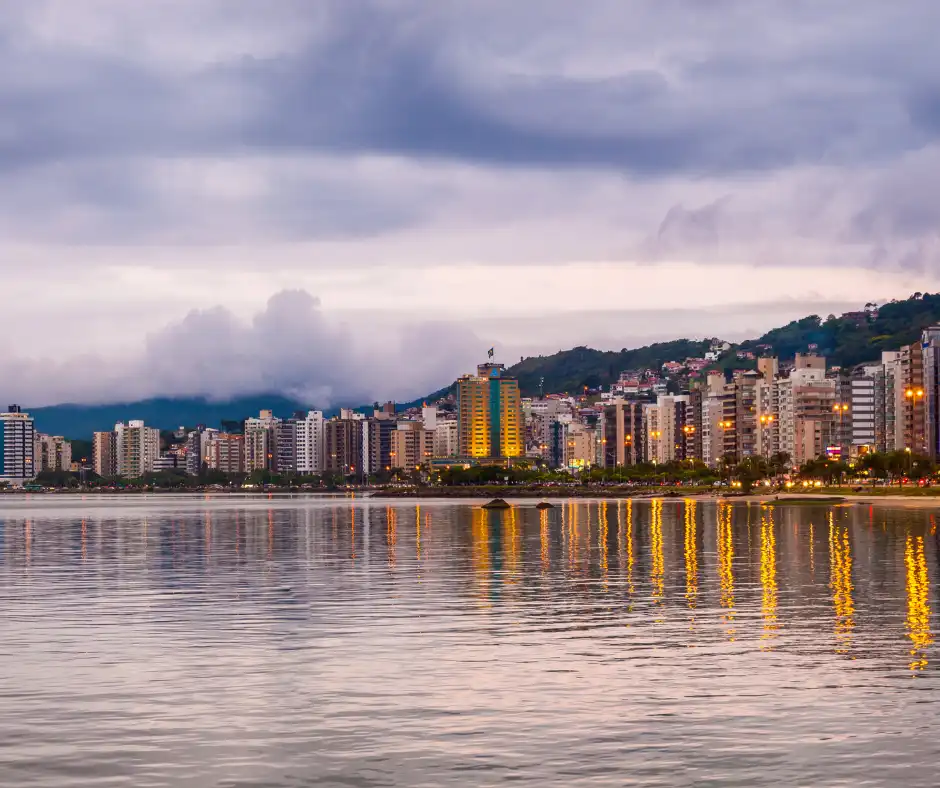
[836, 497]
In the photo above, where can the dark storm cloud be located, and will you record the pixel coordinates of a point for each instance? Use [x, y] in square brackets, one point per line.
[681, 86]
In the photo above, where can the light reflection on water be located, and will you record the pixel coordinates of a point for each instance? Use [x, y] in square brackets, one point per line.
[303, 642]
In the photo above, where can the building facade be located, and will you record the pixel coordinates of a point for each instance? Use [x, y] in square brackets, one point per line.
[51, 453]
[310, 438]
[137, 448]
[17, 443]
[489, 412]
[411, 445]
[104, 454]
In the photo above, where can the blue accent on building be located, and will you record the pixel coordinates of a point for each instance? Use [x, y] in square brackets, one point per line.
[496, 447]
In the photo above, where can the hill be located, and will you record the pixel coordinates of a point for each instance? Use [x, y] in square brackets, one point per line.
[167, 413]
[856, 337]
[846, 340]
[572, 370]
[80, 421]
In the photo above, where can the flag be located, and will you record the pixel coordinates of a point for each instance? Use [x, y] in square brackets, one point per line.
[490, 352]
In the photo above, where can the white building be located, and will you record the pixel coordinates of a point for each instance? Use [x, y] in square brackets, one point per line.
[310, 440]
[447, 438]
[137, 447]
[863, 407]
[17, 439]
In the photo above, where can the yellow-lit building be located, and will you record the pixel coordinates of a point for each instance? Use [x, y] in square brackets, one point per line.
[489, 408]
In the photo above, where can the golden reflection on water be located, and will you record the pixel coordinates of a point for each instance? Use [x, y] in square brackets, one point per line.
[391, 536]
[512, 547]
[657, 559]
[840, 581]
[631, 550]
[602, 539]
[572, 536]
[726, 567]
[768, 578]
[544, 541]
[812, 551]
[480, 536]
[918, 602]
[691, 555]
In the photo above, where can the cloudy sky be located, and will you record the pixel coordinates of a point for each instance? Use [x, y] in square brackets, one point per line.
[356, 198]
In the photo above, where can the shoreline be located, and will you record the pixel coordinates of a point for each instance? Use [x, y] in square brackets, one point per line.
[522, 495]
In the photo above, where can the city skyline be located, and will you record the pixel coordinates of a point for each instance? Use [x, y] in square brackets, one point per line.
[444, 178]
[726, 410]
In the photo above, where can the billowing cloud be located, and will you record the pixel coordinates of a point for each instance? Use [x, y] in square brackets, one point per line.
[410, 158]
[290, 347]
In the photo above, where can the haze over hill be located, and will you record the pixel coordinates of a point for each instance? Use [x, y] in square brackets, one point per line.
[853, 338]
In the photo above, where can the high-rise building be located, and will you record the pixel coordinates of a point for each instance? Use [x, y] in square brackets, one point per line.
[768, 368]
[285, 444]
[746, 414]
[693, 425]
[310, 439]
[664, 422]
[197, 449]
[768, 417]
[17, 439]
[104, 453]
[489, 411]
[863, 410]
[930, 344]
[377, 441]
[51, 453]
[893, 400]
[621, 434]
[411, 445]
[808, 414]
[581, 445]
[343, 443]
[713, 431]
[261, 442]
[447, 438]
[913, 404]
[225, 452]
[137, 448]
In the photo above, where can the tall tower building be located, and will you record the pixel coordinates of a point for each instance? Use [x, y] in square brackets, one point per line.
[51, 453]
[310, 443]
[621, 434]
[17, 438]
[343, 444]
[914, 395]
[489, 412]
[137, 448]
[930, 344]
[104, 453]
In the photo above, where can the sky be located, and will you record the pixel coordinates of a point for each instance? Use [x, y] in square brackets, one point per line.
[351, 200]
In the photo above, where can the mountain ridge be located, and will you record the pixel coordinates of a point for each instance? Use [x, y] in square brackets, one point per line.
[847, 340]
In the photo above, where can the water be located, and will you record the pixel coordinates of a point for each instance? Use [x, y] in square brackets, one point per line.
[295, 642]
